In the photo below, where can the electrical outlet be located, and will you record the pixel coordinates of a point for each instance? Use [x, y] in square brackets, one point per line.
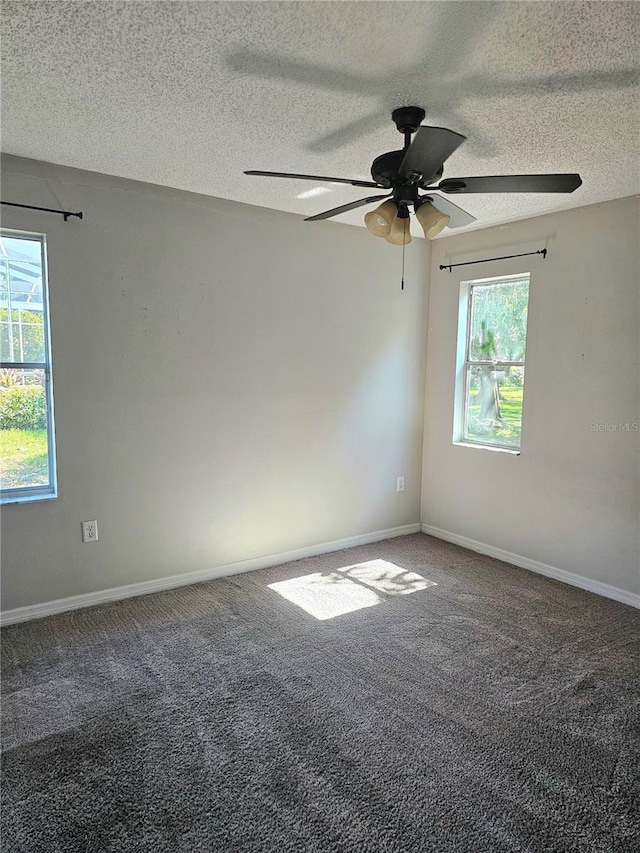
[400, 484]
[90, 531]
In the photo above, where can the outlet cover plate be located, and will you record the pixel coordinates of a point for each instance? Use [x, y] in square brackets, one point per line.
[90, 531]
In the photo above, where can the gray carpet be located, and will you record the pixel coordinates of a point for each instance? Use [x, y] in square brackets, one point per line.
[496, 710]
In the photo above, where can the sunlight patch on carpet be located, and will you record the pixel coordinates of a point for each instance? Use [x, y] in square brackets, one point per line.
[328, 594]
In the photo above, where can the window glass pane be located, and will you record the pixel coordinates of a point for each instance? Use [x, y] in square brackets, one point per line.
[498, 327]
[493, 404]
[21, 300]
[24, 456]
[27, 457]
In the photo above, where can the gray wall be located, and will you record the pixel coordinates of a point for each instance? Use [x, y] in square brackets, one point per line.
[570, 500]
[230, 383]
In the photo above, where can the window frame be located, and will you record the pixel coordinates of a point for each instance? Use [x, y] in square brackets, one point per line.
[24, 494]
[464, 362]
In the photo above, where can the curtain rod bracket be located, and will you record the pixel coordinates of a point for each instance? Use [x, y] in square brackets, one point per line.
[450, 267]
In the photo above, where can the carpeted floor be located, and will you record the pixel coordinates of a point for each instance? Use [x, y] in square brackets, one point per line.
[475, 708]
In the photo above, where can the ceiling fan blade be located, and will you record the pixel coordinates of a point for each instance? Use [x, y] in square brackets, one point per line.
[345, 207]
[566, 183]
[431, 146]
[353, 182]
[458, 217]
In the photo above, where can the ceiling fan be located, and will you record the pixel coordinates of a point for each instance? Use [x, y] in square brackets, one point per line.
[419, 166]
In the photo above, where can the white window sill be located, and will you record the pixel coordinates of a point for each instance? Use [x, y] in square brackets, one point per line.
[24, 499]
[510, 450]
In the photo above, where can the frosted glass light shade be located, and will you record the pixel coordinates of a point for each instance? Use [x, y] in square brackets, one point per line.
[431, 219]
[379, 221]
[400, 232]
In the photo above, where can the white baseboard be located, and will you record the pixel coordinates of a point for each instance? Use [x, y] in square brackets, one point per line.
[89, 599]
[599, 588]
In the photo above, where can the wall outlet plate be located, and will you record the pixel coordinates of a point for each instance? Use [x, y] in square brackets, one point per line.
[400, 484]
[90, 531]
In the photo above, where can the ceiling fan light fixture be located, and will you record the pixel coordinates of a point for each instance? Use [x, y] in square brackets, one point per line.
[380, 220]
[431, 219]
[400, 234]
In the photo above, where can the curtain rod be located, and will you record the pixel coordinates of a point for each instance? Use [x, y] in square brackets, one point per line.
[65, 213]
[449, 267]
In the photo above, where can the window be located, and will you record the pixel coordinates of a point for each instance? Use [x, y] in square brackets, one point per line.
[492, 335]
[27, 453]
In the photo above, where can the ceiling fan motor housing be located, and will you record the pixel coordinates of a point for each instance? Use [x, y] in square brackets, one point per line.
[384, 169]
[385, 172]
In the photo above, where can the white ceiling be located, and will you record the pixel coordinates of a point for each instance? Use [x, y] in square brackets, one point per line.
[189, 94]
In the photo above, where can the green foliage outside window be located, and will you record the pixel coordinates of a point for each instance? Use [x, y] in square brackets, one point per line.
[23, 408]
[29, 325]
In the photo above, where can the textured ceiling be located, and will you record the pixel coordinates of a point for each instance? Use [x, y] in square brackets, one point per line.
[189, 94]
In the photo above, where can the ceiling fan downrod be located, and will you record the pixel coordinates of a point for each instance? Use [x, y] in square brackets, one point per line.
[408, 120]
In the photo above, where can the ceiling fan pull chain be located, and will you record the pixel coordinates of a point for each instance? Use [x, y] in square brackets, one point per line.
[404, 243]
